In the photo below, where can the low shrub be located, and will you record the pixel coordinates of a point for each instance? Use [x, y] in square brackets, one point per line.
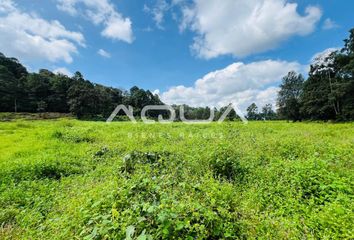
[156, 159]
[227, 166]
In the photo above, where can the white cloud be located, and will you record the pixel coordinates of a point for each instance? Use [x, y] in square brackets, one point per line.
[160, 9]
[329, 24]
[158, 12]
[156, 92]
[119, 29]
[31, 37]
[101, 12]
[319, 57]
[242, 28]
[64, 71]
[238, 83]
[7, 6]
[103, 53]
[323, 61]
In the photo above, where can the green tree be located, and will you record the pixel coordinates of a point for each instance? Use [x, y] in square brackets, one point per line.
[289, 96]
[8, 86]
[267, 112]
[320, 97]
[139, 98]
[232, 116]
[37, 87]
[13, 66]
[329, 91]
[12, 77]
[82, 97]
[345, 60]
[108, 99]
[59, 86]
[252, 112]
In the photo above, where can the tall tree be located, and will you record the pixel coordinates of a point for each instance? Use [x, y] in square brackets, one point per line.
[232, 116]
[289, 96]
[37, 86]
[252, 112]
[108, 99]
[139, 98]
[12, 77]
[57, 100]
[82, 97]
[13, 66]
[8, 86]
[345, 60]
[268, 113]
[321, 98]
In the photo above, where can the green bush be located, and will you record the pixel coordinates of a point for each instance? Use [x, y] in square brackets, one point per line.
[227, 165]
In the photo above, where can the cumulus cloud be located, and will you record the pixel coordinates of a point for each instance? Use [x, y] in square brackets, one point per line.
[320, 57]
[104, 53]
[64, 71]
[101, 12]
[31, 37]
[242, 28]
[329, 24]
[323, 61]
[238, 83]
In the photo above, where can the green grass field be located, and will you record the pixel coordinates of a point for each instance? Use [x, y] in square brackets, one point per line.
[69, 179]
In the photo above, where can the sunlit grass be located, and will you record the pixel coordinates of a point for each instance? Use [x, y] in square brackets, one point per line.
[67, 179]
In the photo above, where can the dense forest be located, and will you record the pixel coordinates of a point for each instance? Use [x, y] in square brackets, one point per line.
[327, 93]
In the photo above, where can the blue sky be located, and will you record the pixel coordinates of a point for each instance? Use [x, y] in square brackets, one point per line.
[169, 44]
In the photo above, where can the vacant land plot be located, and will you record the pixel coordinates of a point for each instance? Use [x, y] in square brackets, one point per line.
[67, 179]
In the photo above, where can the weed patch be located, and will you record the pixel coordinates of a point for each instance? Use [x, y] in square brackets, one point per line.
[87, 180]
[72, 137]
[135, 158]
[227, 166]
[43, 170]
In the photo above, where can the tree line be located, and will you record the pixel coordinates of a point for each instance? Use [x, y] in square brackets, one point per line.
[327, 93]
[45, 91]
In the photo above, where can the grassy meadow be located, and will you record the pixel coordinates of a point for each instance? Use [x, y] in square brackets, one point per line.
[70, 179]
